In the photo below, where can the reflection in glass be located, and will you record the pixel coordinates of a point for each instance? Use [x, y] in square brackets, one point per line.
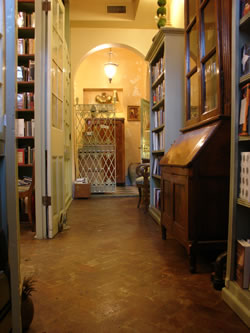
[54, 78]
[209, 21]
[191, 10]
[210, 74]
[194, 96]
[193, 47]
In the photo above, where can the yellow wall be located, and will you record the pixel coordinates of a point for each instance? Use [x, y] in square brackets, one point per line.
[83, 40]
[177, 13]
[87, 67]
[131, 82]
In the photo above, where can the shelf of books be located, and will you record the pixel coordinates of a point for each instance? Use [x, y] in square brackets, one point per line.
[25, 123]
[166, 61]
[237, 288]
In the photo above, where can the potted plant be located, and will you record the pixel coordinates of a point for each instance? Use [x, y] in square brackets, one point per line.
[27, 306]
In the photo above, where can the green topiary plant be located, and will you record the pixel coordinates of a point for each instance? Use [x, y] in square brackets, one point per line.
[161, 13]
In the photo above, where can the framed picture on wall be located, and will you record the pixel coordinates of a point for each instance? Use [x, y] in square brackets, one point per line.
[133, 113]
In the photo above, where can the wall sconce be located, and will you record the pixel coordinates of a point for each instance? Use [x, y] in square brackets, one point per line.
[110, 67]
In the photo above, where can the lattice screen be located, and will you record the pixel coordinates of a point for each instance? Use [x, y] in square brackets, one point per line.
[96, 145]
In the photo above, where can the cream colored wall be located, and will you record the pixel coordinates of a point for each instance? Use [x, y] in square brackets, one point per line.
[177, 13]
[131, 82]
[83, 43]
[83, 40]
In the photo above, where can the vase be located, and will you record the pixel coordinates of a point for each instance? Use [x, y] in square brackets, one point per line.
[27, 312]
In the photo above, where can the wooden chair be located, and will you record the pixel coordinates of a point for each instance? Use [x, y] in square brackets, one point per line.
[142, 182]
[29, 193]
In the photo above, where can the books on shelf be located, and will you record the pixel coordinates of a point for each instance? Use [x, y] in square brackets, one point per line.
[26, 73]
[244, 121]
[244, 7]
[25, 155]
[156, 166]
[243, 263]
[24, 127]
[25, 100]
[158, 140]
[26, 20]
[20, 156]
[25, 46]
[245, 176]
[158, 92]
[245, 59]
[157, 198]
[157, 69]
[159, 117]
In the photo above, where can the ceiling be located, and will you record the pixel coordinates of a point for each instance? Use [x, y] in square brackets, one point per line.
[140, 14]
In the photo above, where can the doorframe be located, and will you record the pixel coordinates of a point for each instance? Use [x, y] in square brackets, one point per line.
[11, 165]
[41, 119]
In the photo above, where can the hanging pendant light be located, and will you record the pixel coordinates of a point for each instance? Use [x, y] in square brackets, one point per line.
[110, 67]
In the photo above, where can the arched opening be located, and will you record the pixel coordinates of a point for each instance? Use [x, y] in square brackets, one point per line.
[130, 82]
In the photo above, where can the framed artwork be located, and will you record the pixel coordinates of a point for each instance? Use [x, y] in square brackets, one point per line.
[133, 113]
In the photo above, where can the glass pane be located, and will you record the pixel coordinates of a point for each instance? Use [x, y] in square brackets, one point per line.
[193, 47]
[60, 53]
[60, 23]
[54, 111]
[54, 46]
[191, 10]
[194, 96]
[54, 78]
[209, 21]
[210, 95]
[60, 114]
[54, 185]
[60, 83]
[55, 13]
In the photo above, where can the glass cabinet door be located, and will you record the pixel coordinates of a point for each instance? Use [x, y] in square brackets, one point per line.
[210, 74]
[202, 65]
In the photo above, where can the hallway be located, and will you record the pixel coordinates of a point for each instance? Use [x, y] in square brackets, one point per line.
[111, 273]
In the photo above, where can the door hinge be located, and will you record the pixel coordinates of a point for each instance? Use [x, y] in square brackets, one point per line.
[46, 6]
[46, 200]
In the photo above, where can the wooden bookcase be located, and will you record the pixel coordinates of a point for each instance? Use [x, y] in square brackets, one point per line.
[166, 64]
[25, 85]
[239, 214]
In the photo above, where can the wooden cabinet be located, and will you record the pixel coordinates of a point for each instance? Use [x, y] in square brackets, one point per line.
[25, 87]
[120, 151]
[195, 185]
[239, 213]
[166, 63]
[195, 170]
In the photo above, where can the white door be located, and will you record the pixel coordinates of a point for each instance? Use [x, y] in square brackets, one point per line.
[55, 117]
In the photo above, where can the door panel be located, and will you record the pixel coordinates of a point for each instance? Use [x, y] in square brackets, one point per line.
[55, 131]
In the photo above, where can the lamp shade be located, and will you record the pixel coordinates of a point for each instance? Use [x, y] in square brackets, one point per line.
[110, 70]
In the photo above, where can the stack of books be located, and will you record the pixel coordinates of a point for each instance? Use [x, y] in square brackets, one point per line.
[243, 263]
[26, 20]
[245, 176]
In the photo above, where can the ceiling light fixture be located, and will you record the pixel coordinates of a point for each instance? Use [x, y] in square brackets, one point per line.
[110, 67]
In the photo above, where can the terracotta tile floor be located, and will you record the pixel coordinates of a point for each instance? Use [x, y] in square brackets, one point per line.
[112, 273]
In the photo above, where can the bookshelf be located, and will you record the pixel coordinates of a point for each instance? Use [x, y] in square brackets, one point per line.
[239, 213]
[25, 124]
[166, 65]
